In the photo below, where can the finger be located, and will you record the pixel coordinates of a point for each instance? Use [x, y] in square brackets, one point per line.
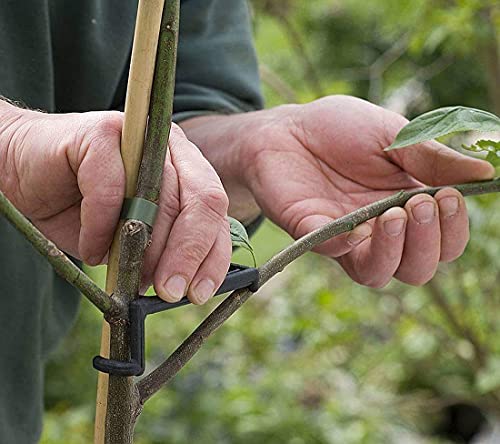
[374, 262]
[212, 271]
[203, 211]
[454, 223]
[338, 245]
[192, 236]
[101, 179]
[423, 241]
[434, 163]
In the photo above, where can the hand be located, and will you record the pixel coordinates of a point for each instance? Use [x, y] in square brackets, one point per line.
[307, 165]
[65, 173]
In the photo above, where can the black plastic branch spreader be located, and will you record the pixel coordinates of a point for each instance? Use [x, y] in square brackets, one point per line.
[238, 277]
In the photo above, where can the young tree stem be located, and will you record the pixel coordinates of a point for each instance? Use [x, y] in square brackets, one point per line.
[137, 103]
[123, 402]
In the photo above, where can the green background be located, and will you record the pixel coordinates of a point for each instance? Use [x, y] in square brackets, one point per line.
[313, 357]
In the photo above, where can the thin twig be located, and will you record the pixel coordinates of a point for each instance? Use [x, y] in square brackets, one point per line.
[311, 76]
[59, 261]
[460, 329]
[153, 382]
[275, 82]
[380, 66]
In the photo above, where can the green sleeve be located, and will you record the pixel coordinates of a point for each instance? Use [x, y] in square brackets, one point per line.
[63, 56]
[217, 68]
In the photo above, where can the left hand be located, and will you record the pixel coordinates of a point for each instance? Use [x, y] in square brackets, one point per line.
[309, 164]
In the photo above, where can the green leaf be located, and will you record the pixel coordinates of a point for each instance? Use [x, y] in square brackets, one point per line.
[483, 145]
[490, 146]
[239, 237]
[493, 158]
[444, 121]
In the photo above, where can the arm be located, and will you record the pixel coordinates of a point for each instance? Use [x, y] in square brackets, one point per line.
[305, 165]
[65, 173]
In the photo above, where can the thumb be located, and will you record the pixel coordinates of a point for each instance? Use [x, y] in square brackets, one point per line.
[432, 162]
[101, 180]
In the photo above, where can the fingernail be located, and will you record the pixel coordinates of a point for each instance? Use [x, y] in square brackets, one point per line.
[175, 288]
[203, 291]
[94, 260]
[394, 227]
[424, 212]
[448, 206]
[359, 234]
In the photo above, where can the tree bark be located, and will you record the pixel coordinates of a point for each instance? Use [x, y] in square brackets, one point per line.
[123, 406]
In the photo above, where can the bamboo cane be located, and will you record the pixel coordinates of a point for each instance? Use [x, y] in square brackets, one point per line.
[141, 72]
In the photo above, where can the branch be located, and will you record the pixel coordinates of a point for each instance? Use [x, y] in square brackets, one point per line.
[460, 329]
[381, 64]
[310, 74]
[275, 82]
[123, 405]
[150, 384]
[59, 261]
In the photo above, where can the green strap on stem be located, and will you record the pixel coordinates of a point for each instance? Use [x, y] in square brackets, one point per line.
[139, 209]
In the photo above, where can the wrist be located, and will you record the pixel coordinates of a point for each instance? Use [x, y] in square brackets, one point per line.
[223, 141]
[9, 118]
[232, 143]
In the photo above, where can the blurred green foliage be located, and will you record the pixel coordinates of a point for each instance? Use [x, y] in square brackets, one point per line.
[314, 358]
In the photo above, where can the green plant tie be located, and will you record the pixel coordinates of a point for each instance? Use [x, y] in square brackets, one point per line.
[139, 209]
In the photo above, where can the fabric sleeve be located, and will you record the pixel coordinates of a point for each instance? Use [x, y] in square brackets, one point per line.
[217, 69]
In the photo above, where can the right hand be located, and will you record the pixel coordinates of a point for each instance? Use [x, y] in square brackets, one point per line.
[65, 173]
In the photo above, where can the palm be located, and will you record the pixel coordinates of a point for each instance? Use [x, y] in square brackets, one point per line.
[48, 190]
[327, 170]
[322, 160]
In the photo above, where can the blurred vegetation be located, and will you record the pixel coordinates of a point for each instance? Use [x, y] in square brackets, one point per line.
[314, 358]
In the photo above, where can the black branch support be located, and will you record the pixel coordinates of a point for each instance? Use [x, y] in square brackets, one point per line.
[238, 277]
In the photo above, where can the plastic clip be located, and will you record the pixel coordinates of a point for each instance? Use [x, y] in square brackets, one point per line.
[238, 277]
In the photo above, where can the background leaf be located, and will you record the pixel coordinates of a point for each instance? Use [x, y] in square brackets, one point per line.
[444, 121]
[489, 146]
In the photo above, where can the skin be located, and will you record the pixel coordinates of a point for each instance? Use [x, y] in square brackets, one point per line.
[301, 165]
[65, 173]
[305, 165]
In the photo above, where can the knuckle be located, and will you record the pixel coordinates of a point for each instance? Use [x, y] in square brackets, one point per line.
[169, 209]
[106, 124]
[110, 196]
[176, 131]
[215, 200]
[192, 254]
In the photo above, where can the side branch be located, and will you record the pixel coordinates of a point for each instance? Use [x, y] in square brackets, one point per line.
[59, 261]
[363, 214]
[153, 382]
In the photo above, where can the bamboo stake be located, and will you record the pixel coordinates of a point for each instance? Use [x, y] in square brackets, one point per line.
[141, 72]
